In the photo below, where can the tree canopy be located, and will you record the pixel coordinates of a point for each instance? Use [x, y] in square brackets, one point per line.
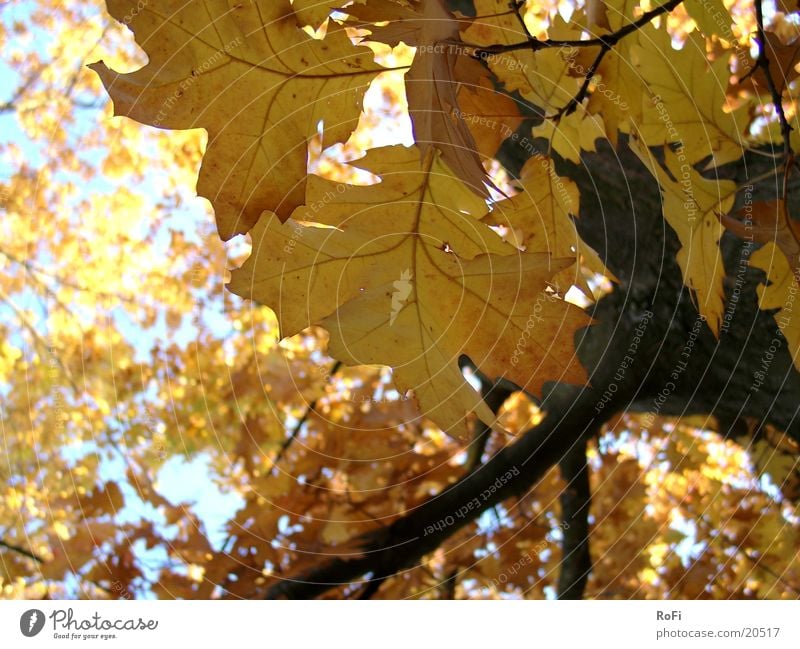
[400, 299]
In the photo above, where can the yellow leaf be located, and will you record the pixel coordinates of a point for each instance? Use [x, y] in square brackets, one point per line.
[686, 104]
[692, 206]
[256, 82]
[572, 134]
[404, 274]
[780, 293]
[543, 212]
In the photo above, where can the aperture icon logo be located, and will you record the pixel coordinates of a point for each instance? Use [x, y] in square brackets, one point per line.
[31, 622]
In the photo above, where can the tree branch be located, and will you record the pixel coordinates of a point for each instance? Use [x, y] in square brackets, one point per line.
[777, 100]
[576, 561]
[763, 62]
[494, 393]
[299, 425]
[511, 472]
[21, 550]
[608, 41]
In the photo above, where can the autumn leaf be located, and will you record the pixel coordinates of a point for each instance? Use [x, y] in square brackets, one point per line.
[783, 59]
[686, 100]
[711, 16]
[692, 206]
[441, 67]
[780, 292]
[543, 213]
[414, 280]
[490, 114]
[572, 134]
[769, 221]
[256, 82]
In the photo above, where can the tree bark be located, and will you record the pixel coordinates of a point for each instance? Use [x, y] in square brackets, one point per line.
[576, 561]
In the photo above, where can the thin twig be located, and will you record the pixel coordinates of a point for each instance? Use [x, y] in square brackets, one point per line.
[609, 40]
[296, 430]
[605, 43]
[584, 89]
[763, 62]
[21, 550]
[516, 8]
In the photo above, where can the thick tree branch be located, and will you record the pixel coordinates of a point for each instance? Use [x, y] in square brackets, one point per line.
[576, 499]
[511, 472]
[494, 393]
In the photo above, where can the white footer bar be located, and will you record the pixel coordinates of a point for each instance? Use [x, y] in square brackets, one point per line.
[401, 625]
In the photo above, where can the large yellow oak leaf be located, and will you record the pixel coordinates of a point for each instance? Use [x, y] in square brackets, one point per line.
[260, 86]
[693, 206]
[405, 274]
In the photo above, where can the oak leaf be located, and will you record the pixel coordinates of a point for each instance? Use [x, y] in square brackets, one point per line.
[255, 81]
[405, 274]
[686, 104]
[490, 114]
[781, 293]
[692, 206]
[543, 212]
